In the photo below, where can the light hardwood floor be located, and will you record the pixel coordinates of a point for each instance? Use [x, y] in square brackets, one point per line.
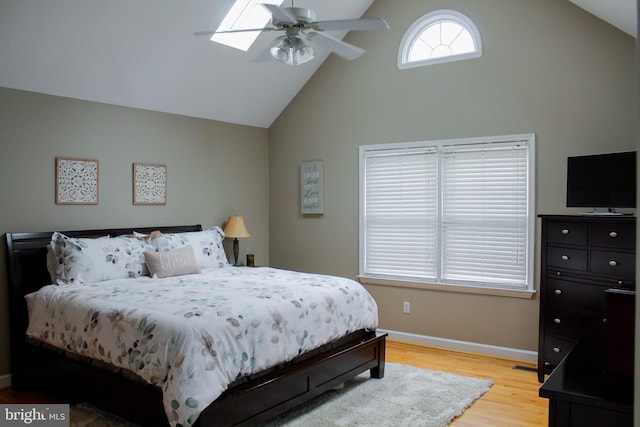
[512, 400]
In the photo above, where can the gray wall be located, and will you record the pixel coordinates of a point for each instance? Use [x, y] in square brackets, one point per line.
[548, 68]
[214, 170]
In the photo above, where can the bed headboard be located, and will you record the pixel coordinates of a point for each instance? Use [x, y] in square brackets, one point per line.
[27, 272]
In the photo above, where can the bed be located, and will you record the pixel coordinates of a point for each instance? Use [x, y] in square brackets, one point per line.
[256, 392]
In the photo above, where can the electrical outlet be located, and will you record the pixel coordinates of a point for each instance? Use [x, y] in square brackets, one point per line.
[406, 307]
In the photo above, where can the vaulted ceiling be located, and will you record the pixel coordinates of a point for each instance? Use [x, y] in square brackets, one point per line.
[143, 54]
[619, 13]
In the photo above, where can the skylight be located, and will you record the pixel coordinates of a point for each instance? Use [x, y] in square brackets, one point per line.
[244, 14]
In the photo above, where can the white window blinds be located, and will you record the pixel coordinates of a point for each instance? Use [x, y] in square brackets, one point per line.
[484, 214]
[400, 213]
[448, 213]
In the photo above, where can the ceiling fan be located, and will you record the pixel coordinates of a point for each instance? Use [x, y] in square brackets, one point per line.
[300, 26]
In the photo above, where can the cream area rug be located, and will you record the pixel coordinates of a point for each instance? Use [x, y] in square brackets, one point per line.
[405, 396]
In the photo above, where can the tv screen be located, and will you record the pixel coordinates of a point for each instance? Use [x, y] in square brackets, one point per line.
[602, 181]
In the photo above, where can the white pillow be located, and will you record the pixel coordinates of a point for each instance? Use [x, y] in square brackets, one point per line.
[83, 260]
[207, 246]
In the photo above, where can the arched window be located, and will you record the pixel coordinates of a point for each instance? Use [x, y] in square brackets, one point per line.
[437, 37]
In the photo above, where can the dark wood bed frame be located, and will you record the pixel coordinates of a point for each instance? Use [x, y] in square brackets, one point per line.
[245, 403]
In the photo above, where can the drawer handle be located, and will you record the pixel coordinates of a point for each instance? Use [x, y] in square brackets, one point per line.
[558, 292]
[565, 257]
[613, 234]
[556, 350]
[565, 231]
[557, 321]
[613, 263]
[558, 273]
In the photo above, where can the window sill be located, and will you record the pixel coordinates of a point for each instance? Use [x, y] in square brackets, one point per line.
[510, 293]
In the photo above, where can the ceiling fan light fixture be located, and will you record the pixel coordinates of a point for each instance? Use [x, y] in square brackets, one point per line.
[291, 50]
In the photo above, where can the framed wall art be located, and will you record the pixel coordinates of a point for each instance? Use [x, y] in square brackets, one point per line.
[149, 184]
[76, 181]
[311, 186]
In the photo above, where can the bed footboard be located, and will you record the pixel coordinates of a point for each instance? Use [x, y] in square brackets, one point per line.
[268, 396]
[245, 404]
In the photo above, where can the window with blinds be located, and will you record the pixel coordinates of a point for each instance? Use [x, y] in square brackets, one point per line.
[449, 212]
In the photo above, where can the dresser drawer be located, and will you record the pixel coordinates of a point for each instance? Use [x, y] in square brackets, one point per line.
[567, 258]
[567, 232]
[555, 349]
[615, 264]
[575, 296]
[612, 235]
[566, 324]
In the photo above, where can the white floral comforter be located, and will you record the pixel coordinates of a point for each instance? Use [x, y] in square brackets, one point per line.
[193, 335]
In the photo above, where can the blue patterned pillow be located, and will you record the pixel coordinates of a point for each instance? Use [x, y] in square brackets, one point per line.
[94, 260]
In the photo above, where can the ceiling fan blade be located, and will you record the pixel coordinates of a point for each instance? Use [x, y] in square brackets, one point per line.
[245, 30]
[282, 15]
[366, 24]
[335, 45]
[204, 33]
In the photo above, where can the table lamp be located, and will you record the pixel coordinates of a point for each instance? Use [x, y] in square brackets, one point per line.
[236, 229]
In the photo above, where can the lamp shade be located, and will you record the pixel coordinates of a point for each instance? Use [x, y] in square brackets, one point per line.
[291, 50]
[235, 228]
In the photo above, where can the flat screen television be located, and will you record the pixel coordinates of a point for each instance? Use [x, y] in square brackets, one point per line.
[602, 181]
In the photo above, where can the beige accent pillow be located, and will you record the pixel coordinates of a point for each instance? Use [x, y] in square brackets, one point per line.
[172, 263]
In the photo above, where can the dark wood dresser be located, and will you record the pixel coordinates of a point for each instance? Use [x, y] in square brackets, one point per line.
[582, 257]
[593, 385]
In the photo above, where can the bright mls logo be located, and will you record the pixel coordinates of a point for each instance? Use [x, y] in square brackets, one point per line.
[34, 415]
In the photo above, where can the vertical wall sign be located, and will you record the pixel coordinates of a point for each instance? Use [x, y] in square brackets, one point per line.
[149, 184]
[76, 181]
[312, 192]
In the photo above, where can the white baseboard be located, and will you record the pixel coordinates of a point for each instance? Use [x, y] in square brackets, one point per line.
[470, 347]
[5, 380]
